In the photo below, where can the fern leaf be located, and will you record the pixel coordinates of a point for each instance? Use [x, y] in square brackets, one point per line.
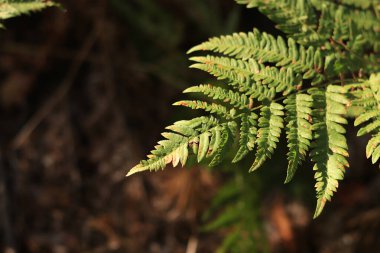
[364, 18]
[243, 72]
[299, 130]
[219, 140]
[328, 42]
[268, 134]
[247, 139]
[212, 108]
[373, 148]
[297, 18]
[369, 97]
[237, 71]
[235, 99]
[266, 48]
[228, 217]
[294, 17]
[9, 9]
[194, 134]
[329, 149]
[342, 16]
[204, 141]
[229, 242]
[363, 4]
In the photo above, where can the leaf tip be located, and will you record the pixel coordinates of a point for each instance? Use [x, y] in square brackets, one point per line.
[194, 49]
[287, 180]
[136, 169]
[320, 205]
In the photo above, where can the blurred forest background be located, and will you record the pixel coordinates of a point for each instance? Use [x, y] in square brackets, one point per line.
[84, 95]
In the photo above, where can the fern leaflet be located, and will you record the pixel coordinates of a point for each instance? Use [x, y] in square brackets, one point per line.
[13, 8]
[299, 130]
[329, 149]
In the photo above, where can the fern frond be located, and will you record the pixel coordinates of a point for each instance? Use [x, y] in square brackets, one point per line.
[212, 108]
[219, 140]
[329, 149]
[328, 42]
[363, 17]
[373, 148]
[373, 63]
[9, 8]
[235, 208]
[235, 72]
[341, 19]
[369, 98]
[245, 72]
[270, 123]
[297, 18]
[248, 131]
[294, 17]
[363, 4]
[299, 130]
[266, 48]
[199, 136]
[236, 99]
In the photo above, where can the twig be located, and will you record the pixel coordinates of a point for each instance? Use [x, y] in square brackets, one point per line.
[192, 245]
[59, 94]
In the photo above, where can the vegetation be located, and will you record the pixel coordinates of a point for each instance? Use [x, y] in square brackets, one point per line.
[307, 85]
[13, 8]
[300, 89]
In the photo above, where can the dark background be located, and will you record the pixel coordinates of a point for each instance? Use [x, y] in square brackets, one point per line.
[85, 92]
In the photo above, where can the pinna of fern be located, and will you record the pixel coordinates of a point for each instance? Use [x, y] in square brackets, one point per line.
[273, 85]
[367, 96]
[13, 8]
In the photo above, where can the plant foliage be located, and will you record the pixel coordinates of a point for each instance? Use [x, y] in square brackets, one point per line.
[237, 203]
[13, 8]
[300, 87]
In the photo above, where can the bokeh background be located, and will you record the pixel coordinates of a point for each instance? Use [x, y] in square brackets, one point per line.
[85, 92]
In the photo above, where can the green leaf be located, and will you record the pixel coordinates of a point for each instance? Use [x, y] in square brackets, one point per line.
[270, 125]
[299, 130]
[329, 148]
[9, 9]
